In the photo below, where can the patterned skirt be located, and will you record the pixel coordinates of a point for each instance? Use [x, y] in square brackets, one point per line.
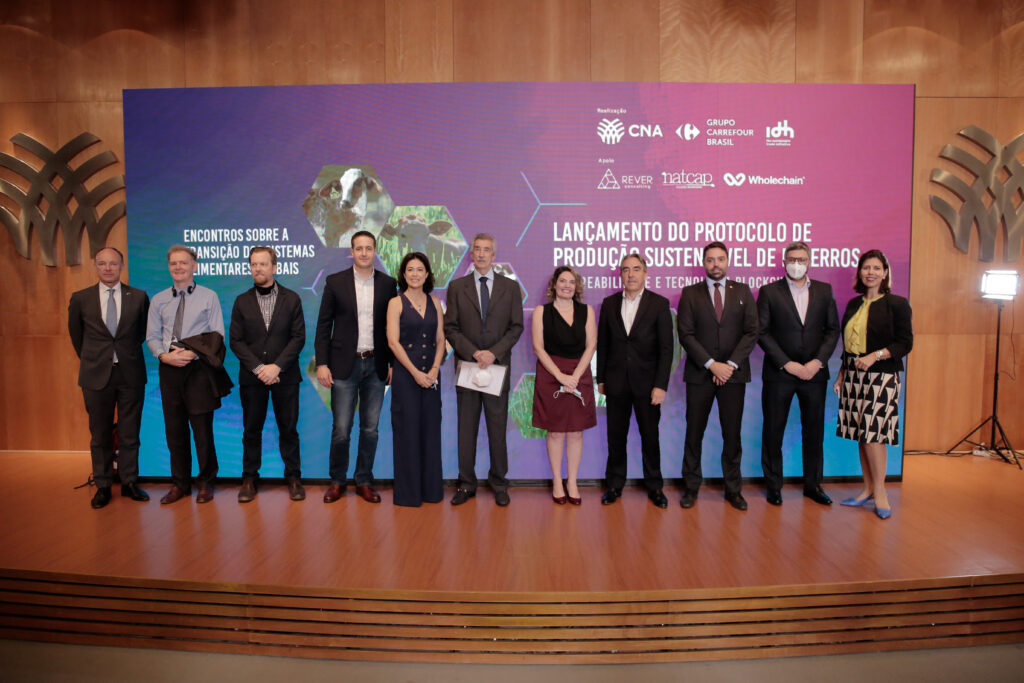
[869, 406]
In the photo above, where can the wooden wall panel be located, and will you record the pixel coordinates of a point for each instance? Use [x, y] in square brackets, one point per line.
[624, 42]
[418, 41]
[218, 45]
[728, 40]
[526, 40]
[943, 405]
[317, 41]
[1011, 50]
[947, 47]
[27, 46]
[828, 41]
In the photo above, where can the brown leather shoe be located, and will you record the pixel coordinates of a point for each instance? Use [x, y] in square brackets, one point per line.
[205, 494]
[173, 496]
[295, 490]
[245, 494]
[334, 492]
[366, 492]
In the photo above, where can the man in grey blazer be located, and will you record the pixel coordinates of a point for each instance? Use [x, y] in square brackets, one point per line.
[107, 325]
[799, 330]
[483, 322]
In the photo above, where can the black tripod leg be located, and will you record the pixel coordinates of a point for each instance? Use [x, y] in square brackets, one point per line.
[1006, 445]
[983, 423]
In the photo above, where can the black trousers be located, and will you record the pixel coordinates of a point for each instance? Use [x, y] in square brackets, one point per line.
[127, 399]
[776, 399]
[618, 411]
[495, 409]
[699, 399]
[254, 398]
[177, 421]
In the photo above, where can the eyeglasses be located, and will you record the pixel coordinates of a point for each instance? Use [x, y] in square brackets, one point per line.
[801, 261]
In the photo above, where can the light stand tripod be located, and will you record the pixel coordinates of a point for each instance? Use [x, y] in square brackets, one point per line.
[1006, 450]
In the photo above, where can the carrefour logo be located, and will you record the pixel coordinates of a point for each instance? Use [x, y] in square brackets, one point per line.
[611, 131]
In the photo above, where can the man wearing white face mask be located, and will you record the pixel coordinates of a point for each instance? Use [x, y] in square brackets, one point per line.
[799, 330]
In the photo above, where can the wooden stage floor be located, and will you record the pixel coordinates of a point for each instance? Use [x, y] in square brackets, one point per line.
[530, 582]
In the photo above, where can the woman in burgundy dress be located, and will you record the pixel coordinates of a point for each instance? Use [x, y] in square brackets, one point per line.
[564, 339]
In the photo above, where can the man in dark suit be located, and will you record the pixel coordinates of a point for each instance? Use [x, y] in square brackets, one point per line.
[634, 358]
[353, 360]
[267, 332]
[717, 323]
[483, 322]
[799, 330]
[107, 324]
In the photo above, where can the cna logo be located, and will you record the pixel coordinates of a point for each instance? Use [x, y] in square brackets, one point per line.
[687, 132]
[608, 182]
[610, 131]
[734, 180]
[779, 135]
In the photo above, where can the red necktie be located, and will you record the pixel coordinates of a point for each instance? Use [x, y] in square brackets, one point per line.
[718, 302]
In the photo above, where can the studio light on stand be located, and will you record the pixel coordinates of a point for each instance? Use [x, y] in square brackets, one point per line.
[1001, 286]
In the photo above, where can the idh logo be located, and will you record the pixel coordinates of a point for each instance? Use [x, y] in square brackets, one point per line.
[611, 131]
[779, 135]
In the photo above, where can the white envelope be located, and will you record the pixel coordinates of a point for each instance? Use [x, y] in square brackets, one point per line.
[466, 370]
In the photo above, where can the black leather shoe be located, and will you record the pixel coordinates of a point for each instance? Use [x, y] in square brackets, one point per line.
[737, 501]
[101, 498]
[689, 499]
[132, 490]
[774, 497]
[610, 496]
[462, 495]
[295, 490]
[658, 498]
[818, 495]
[247, 493]
[502, 499]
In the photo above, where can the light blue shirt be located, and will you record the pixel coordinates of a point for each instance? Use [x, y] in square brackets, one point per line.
[490, 282]
[202, 314]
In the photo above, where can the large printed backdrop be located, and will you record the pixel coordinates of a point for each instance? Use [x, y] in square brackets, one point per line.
[576, 173]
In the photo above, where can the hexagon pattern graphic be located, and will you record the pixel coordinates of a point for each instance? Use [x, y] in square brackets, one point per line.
[345, 199]
[429, 230]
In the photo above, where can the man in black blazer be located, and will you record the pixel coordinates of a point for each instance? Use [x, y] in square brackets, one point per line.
[107, 325]
[717, 323]
[353, 360]
[799, 330]
[267, 332]
[483, 322]
[634, 358]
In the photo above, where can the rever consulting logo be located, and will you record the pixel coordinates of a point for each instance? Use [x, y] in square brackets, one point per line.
[61, 189]
[1000, 177]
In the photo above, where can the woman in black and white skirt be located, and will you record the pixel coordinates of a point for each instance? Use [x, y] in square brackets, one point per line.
[877, 333]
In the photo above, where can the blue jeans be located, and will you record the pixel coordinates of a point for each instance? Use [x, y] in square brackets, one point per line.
[364, 386]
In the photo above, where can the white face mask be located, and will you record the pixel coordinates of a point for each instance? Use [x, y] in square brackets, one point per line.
[796, 271]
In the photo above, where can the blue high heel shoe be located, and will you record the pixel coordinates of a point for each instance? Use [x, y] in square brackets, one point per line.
[883, 513]
[855, 502]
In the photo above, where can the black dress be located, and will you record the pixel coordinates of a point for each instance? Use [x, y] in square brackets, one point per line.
[416, 412]
[565, 344]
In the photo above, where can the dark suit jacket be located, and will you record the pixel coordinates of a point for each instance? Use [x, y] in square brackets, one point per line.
[337, 326]
[464, 329]
[255, 344]
[890, 326]
[634, 363]
[784, 338]
[94, 344]
[207, 381]
[704, 338]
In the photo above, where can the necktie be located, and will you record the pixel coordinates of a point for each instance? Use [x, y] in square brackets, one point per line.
[485, 299]
[111, 312]
[179, 316]
[718, 302]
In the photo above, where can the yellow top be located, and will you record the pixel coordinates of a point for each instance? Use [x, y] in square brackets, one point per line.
[855, 335]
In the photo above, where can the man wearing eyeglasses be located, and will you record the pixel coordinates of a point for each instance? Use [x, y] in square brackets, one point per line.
[799, 329]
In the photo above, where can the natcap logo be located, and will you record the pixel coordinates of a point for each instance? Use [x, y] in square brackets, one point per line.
[780, 134]
[687, 132]
[608, 182]
[734, 180]
[988, 181]
[610, 131]
[69, 191]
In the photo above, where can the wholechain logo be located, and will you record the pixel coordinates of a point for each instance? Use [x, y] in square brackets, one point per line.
[988, 182]
[610, 131]
[734, 180]
[61, 189]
